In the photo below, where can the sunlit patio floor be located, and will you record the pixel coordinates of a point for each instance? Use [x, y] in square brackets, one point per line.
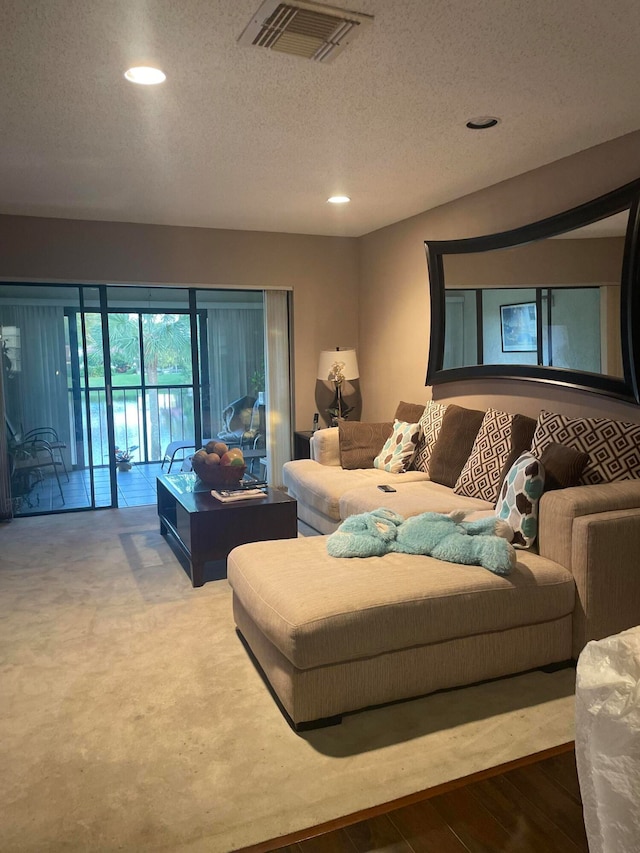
[136, 487]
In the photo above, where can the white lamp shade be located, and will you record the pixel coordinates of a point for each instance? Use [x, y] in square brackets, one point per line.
[329, 357]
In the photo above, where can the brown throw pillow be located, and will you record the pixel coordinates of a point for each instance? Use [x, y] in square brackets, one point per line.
[409, 412]
[563, 466]
[360, 442]
[522, 430]
[457, 435]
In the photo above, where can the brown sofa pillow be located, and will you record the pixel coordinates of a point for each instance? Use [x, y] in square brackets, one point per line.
[409, 412]
[563, 466]
[522, 430]
[457, 434]
[360, 442]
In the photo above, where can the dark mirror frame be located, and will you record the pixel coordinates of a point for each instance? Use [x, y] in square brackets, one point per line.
[626, 197]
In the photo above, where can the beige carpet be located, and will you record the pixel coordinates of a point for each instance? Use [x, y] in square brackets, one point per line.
[132, 718]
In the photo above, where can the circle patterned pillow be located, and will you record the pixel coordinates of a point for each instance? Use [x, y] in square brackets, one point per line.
[519, 497]
[399, 449]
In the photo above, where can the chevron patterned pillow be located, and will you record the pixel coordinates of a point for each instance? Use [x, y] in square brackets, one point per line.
[613, 446]
[481, 474]
[430, 423]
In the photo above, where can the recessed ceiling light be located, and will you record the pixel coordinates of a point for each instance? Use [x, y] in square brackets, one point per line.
[145, 75]
[338, 199]
[482, 122]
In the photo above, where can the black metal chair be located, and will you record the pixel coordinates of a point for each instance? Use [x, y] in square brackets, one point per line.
[50, 436]
[30, 461]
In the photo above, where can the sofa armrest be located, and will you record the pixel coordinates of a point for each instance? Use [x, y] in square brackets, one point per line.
[325, 446]
[559, 509]
[605, 549]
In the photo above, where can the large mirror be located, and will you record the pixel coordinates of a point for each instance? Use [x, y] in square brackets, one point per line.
[555, 301]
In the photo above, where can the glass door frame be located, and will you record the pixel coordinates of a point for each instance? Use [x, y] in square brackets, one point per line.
[94, 299]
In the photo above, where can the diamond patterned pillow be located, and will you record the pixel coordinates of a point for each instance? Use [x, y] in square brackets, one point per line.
[399, 448]
[613, 446]
[430, 424]
[481, 474]
[519, 497]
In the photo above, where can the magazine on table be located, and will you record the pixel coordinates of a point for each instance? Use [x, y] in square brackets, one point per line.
[231, 495]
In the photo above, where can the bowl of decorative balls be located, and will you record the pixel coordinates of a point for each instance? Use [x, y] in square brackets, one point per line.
[217, 465]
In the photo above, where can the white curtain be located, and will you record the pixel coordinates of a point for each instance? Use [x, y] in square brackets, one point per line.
[278, 390]
[36, 392]
[236, 352]
[6, 510]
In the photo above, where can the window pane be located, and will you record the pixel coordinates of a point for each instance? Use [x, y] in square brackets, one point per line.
[574, 333]
[167, 349]
[124, 345]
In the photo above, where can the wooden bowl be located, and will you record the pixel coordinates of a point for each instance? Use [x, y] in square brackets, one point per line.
[218, 475]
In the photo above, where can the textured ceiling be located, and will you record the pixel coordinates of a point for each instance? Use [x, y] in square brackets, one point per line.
[247, 138]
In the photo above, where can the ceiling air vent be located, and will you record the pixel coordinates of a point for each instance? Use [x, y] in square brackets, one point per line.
[303, 29]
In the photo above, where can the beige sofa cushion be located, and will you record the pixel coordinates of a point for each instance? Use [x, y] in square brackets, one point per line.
[324, 445]
[319, 610]
[322, 486]
[411, 498]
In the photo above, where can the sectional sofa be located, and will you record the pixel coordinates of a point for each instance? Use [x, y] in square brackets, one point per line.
[336, 635]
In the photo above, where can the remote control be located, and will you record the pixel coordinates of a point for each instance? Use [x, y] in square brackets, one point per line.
[386, 488]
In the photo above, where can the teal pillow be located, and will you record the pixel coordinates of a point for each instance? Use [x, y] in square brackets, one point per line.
[519, 497]
[399, 449]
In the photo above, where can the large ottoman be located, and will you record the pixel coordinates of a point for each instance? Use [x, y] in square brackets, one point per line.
[337, 635]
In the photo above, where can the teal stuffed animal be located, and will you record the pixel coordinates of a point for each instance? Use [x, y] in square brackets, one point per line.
[485, 542]
[369, 534]
[474, 543]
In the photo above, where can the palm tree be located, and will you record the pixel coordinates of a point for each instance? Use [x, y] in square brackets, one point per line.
[166, 342]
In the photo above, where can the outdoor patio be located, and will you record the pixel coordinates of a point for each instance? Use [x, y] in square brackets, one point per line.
[136, 487]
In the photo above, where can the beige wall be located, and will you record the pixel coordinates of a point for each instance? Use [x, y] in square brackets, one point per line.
[321, 271]
[394, 285]
[371, 292]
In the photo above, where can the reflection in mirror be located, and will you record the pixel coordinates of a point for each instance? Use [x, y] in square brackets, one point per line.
[487, 322]
[500, 326]
[552, 301]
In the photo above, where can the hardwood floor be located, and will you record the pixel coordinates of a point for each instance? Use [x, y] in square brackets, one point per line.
[520, 808]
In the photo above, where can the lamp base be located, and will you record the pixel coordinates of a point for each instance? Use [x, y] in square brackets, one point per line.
[327, 398]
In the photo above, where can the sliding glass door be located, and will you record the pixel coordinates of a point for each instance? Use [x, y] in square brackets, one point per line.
[100, 381]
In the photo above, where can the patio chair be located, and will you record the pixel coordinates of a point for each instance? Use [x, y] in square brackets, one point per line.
[243, 427]
[45, 433]
[236, 417]
[50, 436]
[173, 448]
[30, 461]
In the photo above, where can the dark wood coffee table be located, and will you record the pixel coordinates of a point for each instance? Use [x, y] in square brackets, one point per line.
[203, 530]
